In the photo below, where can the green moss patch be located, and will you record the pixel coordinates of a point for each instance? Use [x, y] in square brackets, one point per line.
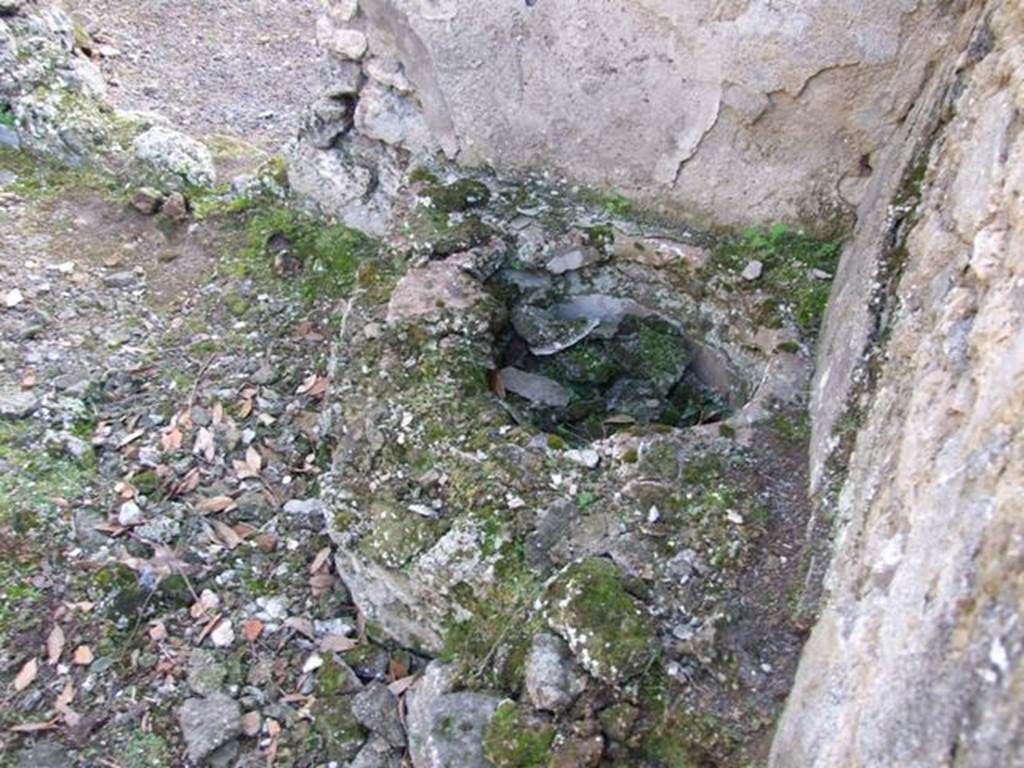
[608, 630]
[791, 291]
[458, 196]
[516, 739]
[327, 257]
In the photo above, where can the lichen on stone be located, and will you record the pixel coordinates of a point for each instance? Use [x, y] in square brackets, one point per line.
[516, 738]
[607, 629]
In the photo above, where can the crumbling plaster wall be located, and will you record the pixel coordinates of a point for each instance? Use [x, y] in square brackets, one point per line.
[727, 112]
[915, 659]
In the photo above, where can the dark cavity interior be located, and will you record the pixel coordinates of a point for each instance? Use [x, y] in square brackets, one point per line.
[584, 366]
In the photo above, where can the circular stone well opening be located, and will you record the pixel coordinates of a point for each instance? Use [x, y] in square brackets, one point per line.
[583, 364]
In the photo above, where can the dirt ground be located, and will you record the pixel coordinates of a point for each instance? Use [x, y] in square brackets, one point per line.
[235, 67]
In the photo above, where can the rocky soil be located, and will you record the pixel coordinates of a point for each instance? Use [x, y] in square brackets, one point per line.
[171, 593]
[162, 541]
[232, 67]
[520, 484]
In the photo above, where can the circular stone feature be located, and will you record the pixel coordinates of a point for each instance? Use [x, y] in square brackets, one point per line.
[585, 365]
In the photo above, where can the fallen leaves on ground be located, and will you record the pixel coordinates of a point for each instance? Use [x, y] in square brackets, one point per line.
[54, 645]
[215, 504]
[250, 466]
[26, 675]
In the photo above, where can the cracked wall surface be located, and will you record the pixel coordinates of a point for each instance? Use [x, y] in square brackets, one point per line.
[916, 657]
[724, 111]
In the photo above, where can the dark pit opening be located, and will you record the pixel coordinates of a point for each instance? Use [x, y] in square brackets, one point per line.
[585, 366]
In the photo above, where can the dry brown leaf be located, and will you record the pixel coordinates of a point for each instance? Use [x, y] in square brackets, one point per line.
[252, 629]
[402, 685]
[226, 534]
[217, 416]
[267, 542]
[215, 504]
[204, 444]
[337, 643]
[320, 560]
[26, 675]
[250, 466]
[244, 408]
[171, 439]
[71, 718]
[302, 625]
[188, 483]
[208, 602]
[82, 607]
[67, 695]
[28, 380]
[130, 438]
[184, 419]
[307, 384]
[244, 529]
[313, 386]
[274, 731]
[158, 632]
[319, 388]
[253, 458]
[112, 529]
[321, 583]
[305, 330]
[54, 644]
[396, 669]
[83, 656]
[210, 626]
[34, 727]
[163, 563]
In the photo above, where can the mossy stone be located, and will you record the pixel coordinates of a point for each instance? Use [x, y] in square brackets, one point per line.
[341, 735]
[144, 750]
[608, 630]
[458, 196]
[660, 460]
[455, 238]
[617, 721]
[515, 738]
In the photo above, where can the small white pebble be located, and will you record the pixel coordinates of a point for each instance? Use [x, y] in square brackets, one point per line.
[223, 636]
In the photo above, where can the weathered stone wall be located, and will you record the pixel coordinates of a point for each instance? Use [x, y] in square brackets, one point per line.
[915, 660]
[726, 112]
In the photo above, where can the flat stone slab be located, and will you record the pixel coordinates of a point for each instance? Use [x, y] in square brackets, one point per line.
[535, 388]
[16, 403]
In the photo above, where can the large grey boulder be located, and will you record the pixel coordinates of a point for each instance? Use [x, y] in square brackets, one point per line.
[377, 753]
[174, 153]
[377, 708]
[553, 680]
[351, 181]
[55, 97]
